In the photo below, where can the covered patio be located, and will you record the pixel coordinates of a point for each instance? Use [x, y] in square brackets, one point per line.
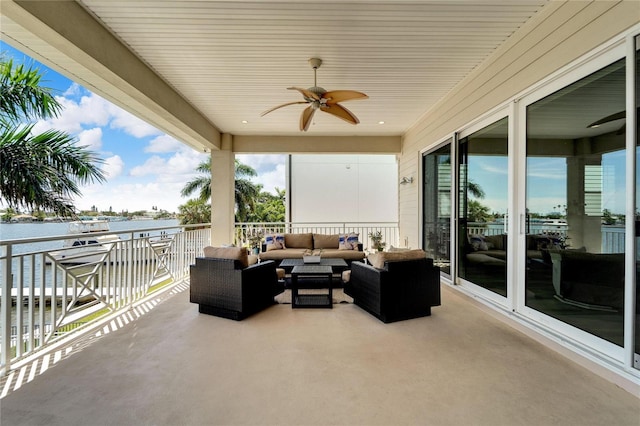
[203, 71]
[462, 365]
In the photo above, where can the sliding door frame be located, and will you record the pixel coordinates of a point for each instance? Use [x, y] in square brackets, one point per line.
[503, 111]
[569, 76]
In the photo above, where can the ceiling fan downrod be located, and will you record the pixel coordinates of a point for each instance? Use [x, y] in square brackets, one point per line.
[315, 64]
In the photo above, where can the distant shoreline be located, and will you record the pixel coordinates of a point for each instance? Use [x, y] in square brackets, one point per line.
[32, 219]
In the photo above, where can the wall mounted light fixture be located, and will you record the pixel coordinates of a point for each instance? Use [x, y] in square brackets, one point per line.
[405, 180]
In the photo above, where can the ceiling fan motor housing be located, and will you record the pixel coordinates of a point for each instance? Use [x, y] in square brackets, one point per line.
[317, 90]
[315, 63]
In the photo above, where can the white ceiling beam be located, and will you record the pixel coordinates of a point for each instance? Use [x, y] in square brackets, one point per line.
[64, 36]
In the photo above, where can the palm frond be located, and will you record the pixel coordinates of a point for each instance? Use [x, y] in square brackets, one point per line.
[22, 97]
[44, 170]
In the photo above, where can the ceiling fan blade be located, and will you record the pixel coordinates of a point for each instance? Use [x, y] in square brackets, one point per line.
[335, 96]
[305, 118]
[613, 117]
[280, 106]
[306, 93]
[617, 116]
[340, 112]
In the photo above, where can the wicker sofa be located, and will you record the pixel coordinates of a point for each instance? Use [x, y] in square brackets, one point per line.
[296, 245]
[225, 285]
[396, 286]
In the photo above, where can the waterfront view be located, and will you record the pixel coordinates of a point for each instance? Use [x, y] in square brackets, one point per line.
[14, 231]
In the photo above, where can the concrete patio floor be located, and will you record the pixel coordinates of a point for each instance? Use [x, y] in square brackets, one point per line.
[461, 366]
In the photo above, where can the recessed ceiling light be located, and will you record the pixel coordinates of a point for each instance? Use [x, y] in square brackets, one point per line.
[380, 122]
[244, 121]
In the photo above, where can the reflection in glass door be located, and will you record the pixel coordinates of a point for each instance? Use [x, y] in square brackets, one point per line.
[576, 202]
[436, 238]
[483, 198]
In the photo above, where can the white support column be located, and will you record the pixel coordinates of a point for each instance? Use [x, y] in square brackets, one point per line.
[222, 193]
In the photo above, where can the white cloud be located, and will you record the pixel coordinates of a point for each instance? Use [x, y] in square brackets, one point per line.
[113, 166]
[184, 162]
[153, 165]
[74, 90]
[165, 143]
[272, 180]
[262, 161]
[270, 168]
[130, 124]
[180, 165]
[93, 110]
[133, 196]
[91, 138]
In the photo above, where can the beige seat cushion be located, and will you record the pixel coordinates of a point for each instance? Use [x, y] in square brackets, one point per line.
[304, 241]
[322, 241]
[280, 272]
[346, 276]
[377, 259]
[483, 259]
[233, 253]
[340, 254]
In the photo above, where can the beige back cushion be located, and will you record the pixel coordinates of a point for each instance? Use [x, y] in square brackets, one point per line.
[322, 241]
[304, 241]
[233, 253]
[377, 259]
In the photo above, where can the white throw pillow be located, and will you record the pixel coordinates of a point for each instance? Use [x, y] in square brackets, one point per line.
[348, 241]
[274, 241]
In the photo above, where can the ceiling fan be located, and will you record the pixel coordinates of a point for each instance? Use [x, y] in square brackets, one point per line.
[319, 99]
[614, 117]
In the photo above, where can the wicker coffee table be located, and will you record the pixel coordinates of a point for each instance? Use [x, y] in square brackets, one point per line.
[311, 300]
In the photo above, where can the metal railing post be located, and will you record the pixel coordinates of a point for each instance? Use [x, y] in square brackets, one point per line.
[129, 283]
[5, 308]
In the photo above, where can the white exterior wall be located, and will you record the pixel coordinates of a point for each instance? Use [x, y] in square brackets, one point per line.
[344, 188]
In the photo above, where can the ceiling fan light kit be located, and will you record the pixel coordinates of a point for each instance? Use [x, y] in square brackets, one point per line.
[320, 99]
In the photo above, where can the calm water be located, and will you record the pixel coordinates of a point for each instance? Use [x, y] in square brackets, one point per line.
[11, 231]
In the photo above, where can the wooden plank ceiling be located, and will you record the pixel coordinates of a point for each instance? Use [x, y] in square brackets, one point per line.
[234, 59]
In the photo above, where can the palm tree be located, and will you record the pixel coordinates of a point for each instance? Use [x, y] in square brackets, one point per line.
[475, 189]
[477, 212]
[200, 183]
[245, 190]
[194, 211]
[44, 170]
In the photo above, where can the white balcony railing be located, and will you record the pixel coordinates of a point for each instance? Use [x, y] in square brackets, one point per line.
[46, 296]
[390, 231]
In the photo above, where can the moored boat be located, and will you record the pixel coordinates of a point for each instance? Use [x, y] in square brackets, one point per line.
[86, 246]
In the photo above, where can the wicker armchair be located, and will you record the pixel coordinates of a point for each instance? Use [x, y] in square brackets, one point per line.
[400, 290]
[228, 289]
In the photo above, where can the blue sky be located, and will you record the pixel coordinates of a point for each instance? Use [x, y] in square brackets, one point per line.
[144, 166]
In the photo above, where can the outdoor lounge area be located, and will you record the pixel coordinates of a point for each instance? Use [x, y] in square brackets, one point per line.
[173, 365]
[499, 137]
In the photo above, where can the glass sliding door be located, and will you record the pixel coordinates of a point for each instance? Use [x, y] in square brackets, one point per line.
[436, 167]
[482, 177]
[576, 202]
